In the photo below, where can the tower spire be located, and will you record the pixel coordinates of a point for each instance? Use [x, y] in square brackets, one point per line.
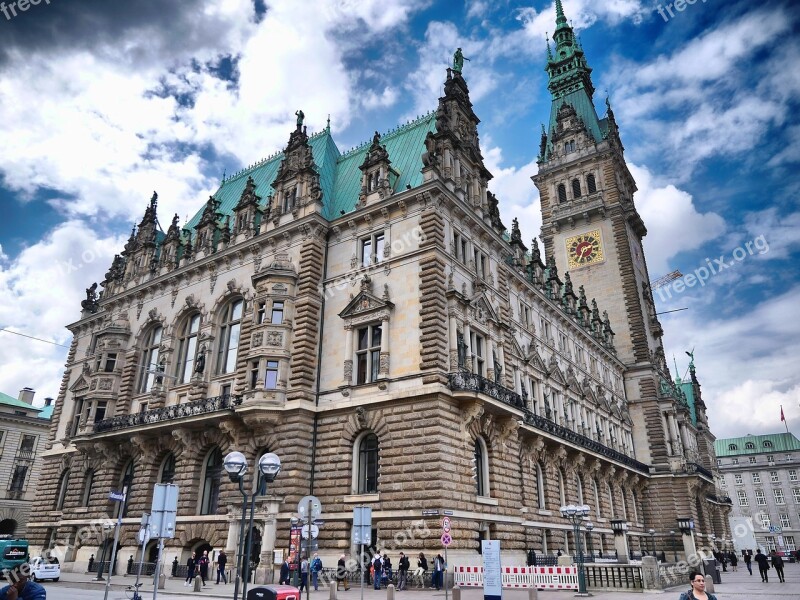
[561, 20]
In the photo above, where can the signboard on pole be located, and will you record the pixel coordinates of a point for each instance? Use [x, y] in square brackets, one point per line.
[116, 496]
[362, 525]
[294, 547]
[164, 511]
[492, 573]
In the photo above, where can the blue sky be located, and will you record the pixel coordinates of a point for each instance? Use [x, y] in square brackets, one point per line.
[102, 103]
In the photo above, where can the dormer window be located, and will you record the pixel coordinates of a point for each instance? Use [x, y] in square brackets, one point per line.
[372, 249]
[569, 146]
[767, 444]
[289, 199]
[373, 181]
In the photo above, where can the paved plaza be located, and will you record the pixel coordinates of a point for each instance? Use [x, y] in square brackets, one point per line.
[739, 585]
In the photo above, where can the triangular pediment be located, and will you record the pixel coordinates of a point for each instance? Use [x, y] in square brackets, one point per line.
[534, 359]
[554, 371]
[516, 349]
[483, 309]
[81, 384]
[365, 303]
[572, 381]
[588, 393]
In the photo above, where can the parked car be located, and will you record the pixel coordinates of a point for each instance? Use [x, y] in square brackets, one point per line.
[45, 568]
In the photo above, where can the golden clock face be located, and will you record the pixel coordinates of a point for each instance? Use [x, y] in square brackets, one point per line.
[584, 249]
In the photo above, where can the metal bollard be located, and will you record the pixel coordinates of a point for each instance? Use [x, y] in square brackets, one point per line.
[709, 584]
[390, 592]
[332, 590]
[456, 592]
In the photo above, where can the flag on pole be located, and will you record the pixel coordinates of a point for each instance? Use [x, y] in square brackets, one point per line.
[782, 417]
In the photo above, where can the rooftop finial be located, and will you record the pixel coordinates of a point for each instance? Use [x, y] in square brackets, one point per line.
[224, 172]
[560, 18]
[549, 53]
[328, 126]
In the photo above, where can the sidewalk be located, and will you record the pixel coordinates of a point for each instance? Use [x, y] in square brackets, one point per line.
[736, 586]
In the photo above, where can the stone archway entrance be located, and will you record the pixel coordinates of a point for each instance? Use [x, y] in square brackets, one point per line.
[8, 527]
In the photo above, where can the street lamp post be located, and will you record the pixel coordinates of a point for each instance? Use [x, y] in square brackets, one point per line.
[652, 533]
[672, 543]
[235, 465]
[575, 514]
[107, 527]
[589, 527]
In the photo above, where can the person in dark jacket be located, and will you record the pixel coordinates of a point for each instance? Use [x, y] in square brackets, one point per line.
[763, 565]
[191, 567]
[402, 572]
[202, 562]
[734, 560]
[283, 577]
[341, 574]
[777, 562]
[377, 567]
[748, 558]
[222, 560]
[438, 572]
[422, 568]
[21, 588]
[698, 589]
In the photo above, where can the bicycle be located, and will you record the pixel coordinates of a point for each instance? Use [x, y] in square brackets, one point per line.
[132, 592]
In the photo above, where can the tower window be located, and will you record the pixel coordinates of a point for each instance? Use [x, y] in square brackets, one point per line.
[590, 183]
[569, 146]
[562, 192]
[576, 188]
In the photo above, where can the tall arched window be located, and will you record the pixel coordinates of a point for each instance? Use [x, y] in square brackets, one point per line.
[540, 486]
[624, 503]
[88, 484]
[596, 498]
[367, 482]
[635, 507]
[211, 482]
[230, 329]
[590, 183]
[148, 359]
[576, 188]
[481, 459]
[63, 484]
[187, 347]
[562, 192]
[126, 480]
[167, 474]
[562, 492]
[579, 488]
[611, 500]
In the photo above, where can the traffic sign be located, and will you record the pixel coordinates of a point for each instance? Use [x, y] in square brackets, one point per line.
[446, 539]
[446, 524]
[314, 532]
[430, 512]
[362, 524]
[311, 503]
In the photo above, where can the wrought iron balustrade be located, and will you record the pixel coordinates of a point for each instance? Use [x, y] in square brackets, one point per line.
[465, 381]
[614, 576]
[169, 413]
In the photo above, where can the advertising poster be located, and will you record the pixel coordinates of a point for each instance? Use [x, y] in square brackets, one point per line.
[294, 547]
[492, 574]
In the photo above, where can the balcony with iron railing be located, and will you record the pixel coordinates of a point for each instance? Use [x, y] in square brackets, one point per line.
[470, 382]
[226, 402]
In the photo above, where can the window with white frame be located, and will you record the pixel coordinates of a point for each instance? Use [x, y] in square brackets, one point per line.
[271, 375]
[738, 479]
[722, 482]
[765, 520]
[756, 477]
[187, 347]
[789, 541]
[773, 477]
[770, 460]
[540, 495]
[459, 247]
[742, 496]
[481, 459]
[778, 494]
[785, 520]
[148, 360]
[478, 344]
[796, 494]
[792, 475]
[752, 460]
[480, 263]
[366, 467]
[372, 249]
[229, 332]
[368, 353]
[276, 315]
[771, 547]
[212, 482]
[761, 499]
[735, 461]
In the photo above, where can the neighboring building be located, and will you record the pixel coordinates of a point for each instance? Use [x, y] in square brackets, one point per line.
[368, 317]
[761, 473]
[23, 433]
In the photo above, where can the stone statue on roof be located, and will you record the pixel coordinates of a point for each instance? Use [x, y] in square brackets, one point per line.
[458, 61]
[300, 116]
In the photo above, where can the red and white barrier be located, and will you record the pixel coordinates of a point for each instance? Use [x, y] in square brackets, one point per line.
[542, 578]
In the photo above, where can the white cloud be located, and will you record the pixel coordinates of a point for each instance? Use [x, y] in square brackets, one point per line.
[516, 193]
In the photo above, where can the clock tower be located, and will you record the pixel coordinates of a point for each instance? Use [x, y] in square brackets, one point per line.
[591, 228]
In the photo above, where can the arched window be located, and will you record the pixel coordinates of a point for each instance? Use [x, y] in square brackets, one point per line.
[579, 488]
[635, 507]
[540, 486]
[187, 347]
[126, 480]
[732, 447]
[229, 337]
[576, 188]
[624, 504]
[367, 464]
[167, 472]
[88, 484]
[561, 491]
[767, 444]
[148, 360]
[562, 192]
[212, 478]
[590, 183]
[481, 459]
[63, 484]
[750, 446]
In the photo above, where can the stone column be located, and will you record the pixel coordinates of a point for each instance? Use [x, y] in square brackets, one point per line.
[347, 376]
[453, 343]
[501, 357]
[490, 358]
[517, 387]
[383, 370]
[468, 360]
[621, 546]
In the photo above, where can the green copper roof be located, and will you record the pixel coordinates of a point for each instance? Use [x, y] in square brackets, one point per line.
[7, 400]
[340, 177]
[584, 106]
[688, 389]
[755, 444]
[47, 411]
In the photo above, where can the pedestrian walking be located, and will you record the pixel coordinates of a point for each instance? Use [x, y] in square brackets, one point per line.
[316, 567]
[402, 571]
[222, 560]
[191, 566]
[387, 570]
[747, 560]
[763, 566]
[422, 568]
[438, 572]
[283, 576]
[203, 564]
[376, 571]
[698, 589]
[777, 562]
[734, 561]
[304, 566]
[341, 574]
